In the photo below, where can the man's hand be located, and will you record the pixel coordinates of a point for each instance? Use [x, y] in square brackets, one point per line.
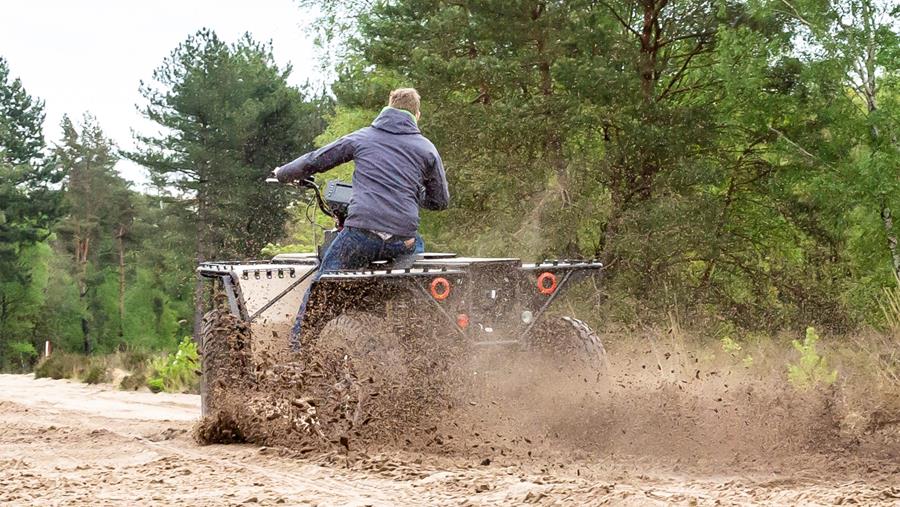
[281, 178]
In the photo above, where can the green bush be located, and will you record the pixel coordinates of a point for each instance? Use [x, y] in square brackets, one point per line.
[811, 369]
[133, 382]
[24, 352]
[60, 365]
[178, 372]
[96, 372]
[135, 360]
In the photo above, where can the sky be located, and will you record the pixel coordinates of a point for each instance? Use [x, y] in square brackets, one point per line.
[91, 55]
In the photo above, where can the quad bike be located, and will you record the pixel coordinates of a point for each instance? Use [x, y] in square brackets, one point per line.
[442, 300]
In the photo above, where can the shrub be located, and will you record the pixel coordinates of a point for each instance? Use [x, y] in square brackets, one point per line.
[135, 360]
[24, 352]
[133, 382]
[178, 372]
[811, 369]
[60, 365]
[735, 350]
[890, 305]
[96, 372]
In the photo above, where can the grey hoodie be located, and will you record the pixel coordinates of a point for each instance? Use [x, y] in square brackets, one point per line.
[397, 171]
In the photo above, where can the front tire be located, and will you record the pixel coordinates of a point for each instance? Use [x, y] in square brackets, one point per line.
[224, 361]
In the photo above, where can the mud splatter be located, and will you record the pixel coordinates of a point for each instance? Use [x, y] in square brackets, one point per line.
[367, 388]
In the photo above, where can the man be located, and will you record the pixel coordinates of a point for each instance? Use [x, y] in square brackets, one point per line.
[397, 171]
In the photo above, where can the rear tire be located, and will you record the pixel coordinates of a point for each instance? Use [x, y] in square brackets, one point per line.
[569, 340]
[361, 359]
[367, 340]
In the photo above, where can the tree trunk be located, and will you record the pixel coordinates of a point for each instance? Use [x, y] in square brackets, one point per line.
[82, 248]
[199, 302]
[888, 220]
[120, 243]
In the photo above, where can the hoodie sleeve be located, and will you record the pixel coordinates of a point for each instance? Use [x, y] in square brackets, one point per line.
[321, 160]
[436, 195]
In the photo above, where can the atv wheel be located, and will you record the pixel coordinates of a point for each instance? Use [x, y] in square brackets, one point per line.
[361, 362]
[367, 341]
[224, 344]
[569, 340]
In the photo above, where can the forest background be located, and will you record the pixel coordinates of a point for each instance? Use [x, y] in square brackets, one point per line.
[734, 163]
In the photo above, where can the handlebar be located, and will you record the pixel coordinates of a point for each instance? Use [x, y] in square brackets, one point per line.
[311, 185]
[307, 183]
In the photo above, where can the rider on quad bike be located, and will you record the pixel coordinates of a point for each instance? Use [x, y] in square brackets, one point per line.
[398, 170]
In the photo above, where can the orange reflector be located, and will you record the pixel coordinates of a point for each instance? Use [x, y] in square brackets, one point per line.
[462, 320]
[440, 288]
[546, 283]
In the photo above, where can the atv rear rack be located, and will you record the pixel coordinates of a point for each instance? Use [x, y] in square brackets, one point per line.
[472, 272]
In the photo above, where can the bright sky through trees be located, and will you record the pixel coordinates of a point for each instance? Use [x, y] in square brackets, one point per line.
[91, 56]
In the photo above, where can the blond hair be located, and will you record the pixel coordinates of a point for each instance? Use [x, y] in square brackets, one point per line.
[405, 98]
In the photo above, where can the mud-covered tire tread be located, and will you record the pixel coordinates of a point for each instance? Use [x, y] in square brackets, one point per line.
[213, 352]
[222, 339]
[570, 339]
[593, 346]
[363, 336]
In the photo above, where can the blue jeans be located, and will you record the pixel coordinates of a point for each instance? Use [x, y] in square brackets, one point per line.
[355, 248]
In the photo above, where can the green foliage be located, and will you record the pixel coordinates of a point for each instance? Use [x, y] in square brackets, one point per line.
[811, 369]
[733, 348]
[177, 372]
[29, 205]
[730, 346]
[230, 118]
[25, 351]
[61, 365]
[96, 372]
[745, 172]
[99, 206]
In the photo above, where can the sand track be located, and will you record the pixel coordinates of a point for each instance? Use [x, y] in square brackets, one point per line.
[64, 443]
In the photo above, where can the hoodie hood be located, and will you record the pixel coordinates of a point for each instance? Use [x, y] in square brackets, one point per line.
[396, 121]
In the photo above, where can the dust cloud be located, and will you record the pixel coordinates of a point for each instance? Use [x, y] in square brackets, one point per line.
[504, 404]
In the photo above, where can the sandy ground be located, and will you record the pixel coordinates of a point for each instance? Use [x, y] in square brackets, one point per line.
[65, 443]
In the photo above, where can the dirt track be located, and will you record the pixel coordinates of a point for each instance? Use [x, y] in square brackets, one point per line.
[63, 443]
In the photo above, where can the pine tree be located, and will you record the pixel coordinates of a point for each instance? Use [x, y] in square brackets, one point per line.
[230, 118]
[98, 204]
[29, 205]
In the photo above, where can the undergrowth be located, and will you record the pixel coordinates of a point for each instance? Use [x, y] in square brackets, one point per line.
[858, 374]
[811, 369]
[177, 372]
[131, 370]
